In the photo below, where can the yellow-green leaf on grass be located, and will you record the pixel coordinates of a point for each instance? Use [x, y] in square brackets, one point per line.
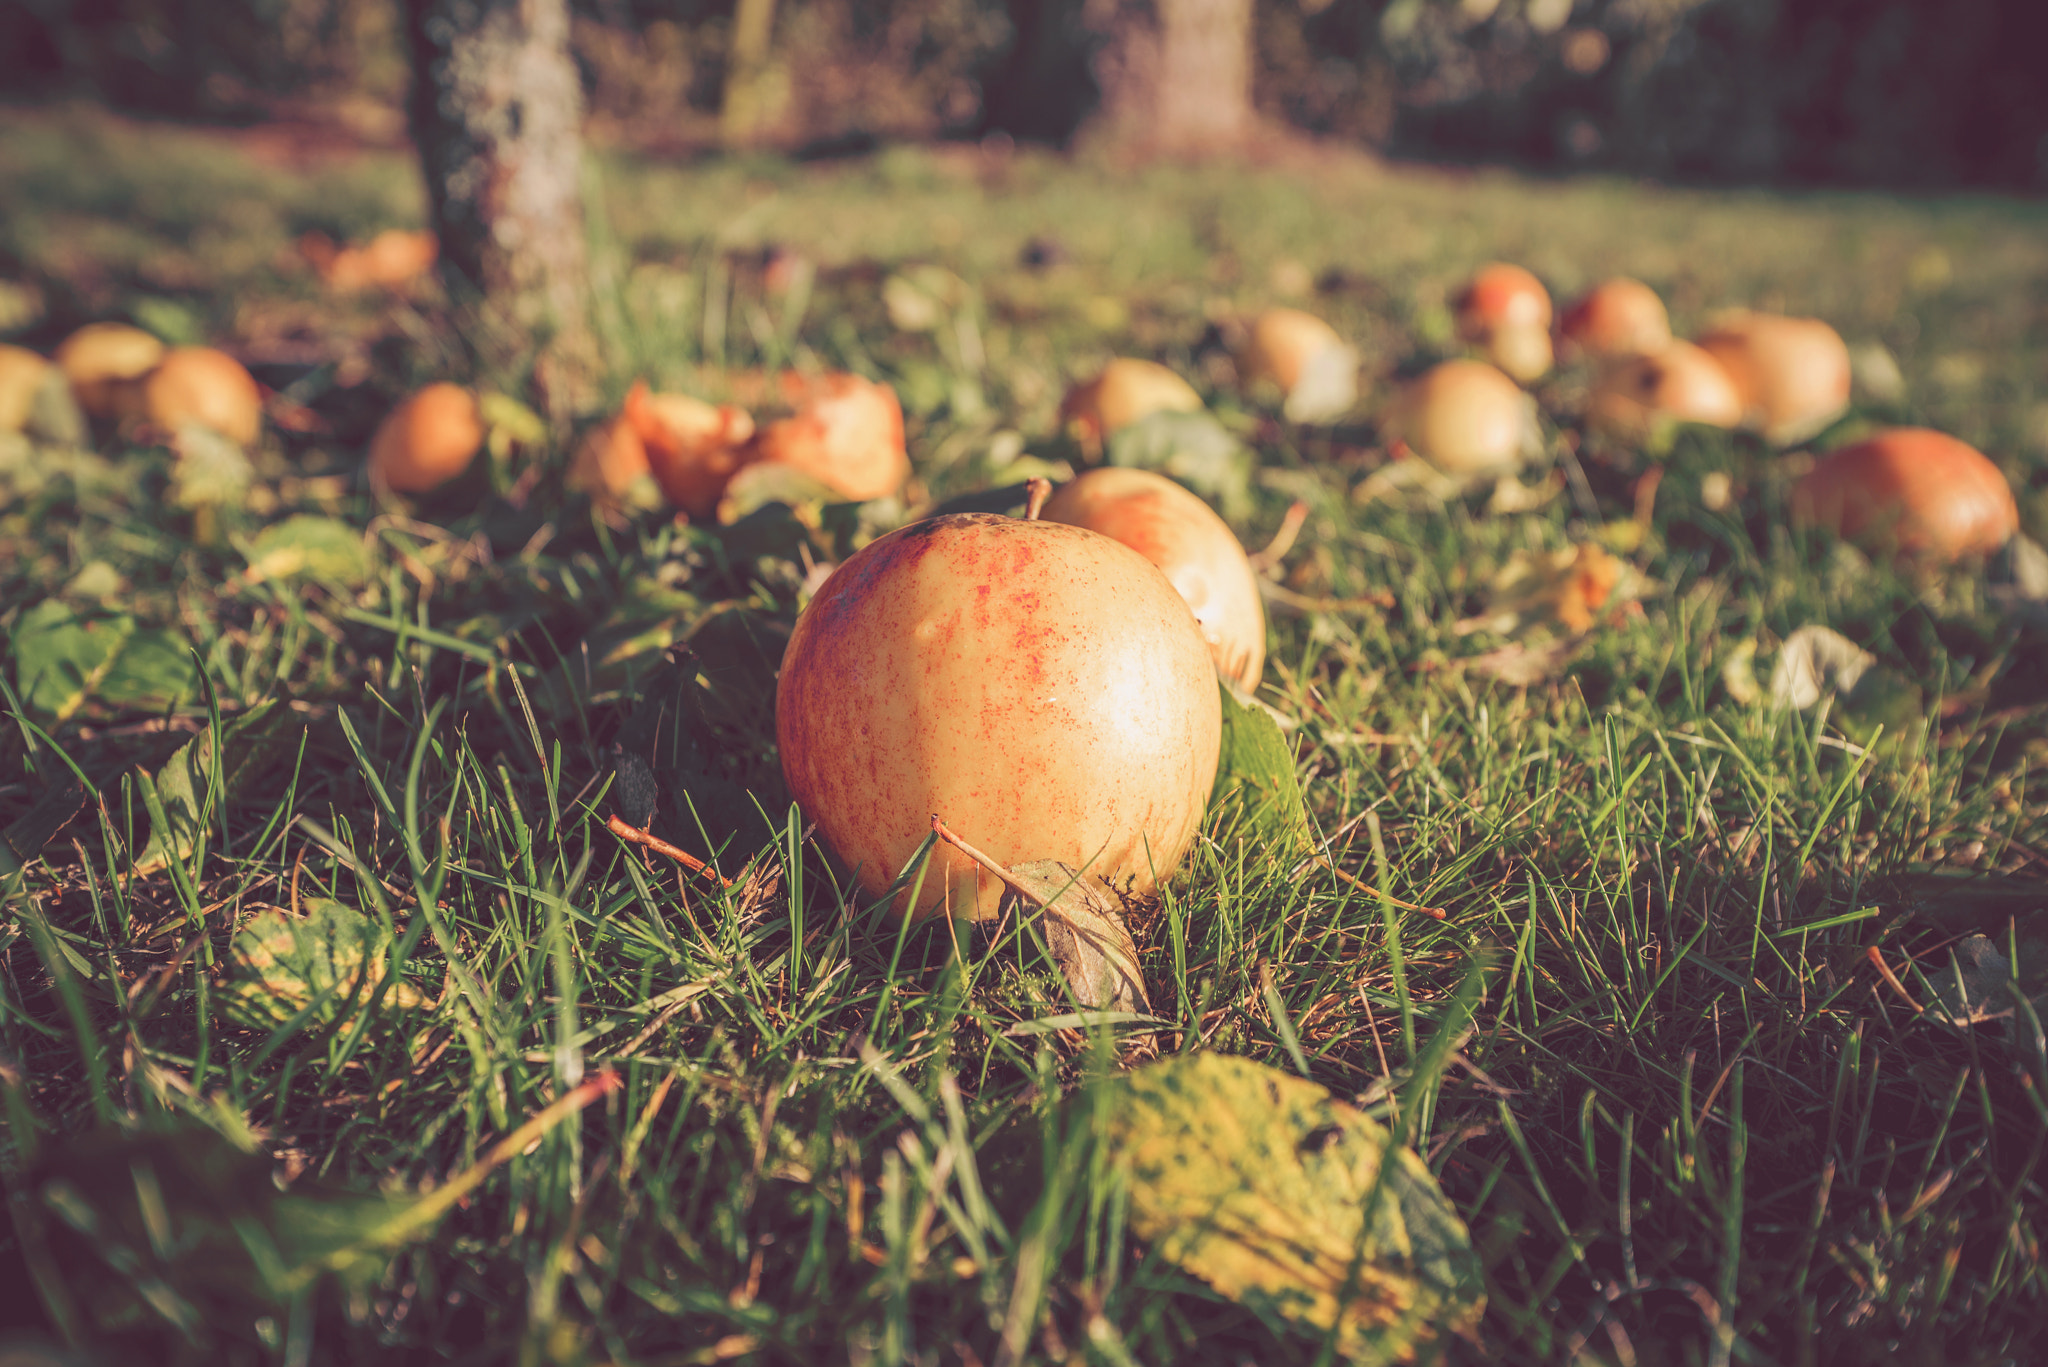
[321, 548]
[282, 964]
[509, 423]
[60, 657]
[1256, 796]
[1292, 1203]
[253, 739]
[153, 670]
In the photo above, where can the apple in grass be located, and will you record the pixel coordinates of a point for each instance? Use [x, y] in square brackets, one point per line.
[1505, 312]
[1615, 320]
[1792, 374]
[1043, 688]
[1123, 392]
[1191, 545]
[1466, 418]
[1912, 491]
[1640, 399]
[427, 440]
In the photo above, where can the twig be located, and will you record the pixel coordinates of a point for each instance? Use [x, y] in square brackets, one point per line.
[1283, 540]
[1884, 970]
[1438, 912]
[618, 827]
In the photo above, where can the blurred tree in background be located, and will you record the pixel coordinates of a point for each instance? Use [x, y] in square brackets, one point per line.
[497, 114]
[1897, 92]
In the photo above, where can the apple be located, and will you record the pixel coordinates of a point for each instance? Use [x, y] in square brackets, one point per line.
[98, 356]
[1042, 688]
[1305, 358]
[1792, 373]
[1638, 398]
[427, 440]
[1615, 320]
[1465, 418]
[1913, 491]
[22, 373]
[1123, 392]
[196, 384]
[691, 447]
[846, 433]
[1192, 546]
[1505, 312]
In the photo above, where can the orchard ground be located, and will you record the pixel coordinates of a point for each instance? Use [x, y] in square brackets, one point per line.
[1692, 1122]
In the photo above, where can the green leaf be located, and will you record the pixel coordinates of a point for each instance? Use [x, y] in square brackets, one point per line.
[509, 423]
[282, 965]
[153, 671]
[60, 657]
[320, 548]
[1292, 1203]
[1256, 796]
[180, 786]
[1195, 449]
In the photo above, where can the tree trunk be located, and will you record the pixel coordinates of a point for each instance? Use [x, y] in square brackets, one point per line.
[496, 113]
[1175, 75]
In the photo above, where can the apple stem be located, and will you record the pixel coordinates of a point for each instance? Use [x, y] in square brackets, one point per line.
[1037, 490]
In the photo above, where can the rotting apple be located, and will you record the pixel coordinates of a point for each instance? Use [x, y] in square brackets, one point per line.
[1913, 491]
[427, 440]
[692, 447]
[846, 433]
[1465, 418]
[1681, 383]
[1196, 550]
[1041, 687]
[1792, 374]
[1615, 320]
[1124, 391]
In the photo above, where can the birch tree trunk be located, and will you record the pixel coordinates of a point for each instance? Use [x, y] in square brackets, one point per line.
[496, 113]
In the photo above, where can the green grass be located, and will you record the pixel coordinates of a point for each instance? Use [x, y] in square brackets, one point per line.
[1691, 1124]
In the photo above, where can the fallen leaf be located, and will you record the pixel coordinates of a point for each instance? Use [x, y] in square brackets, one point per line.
[1816, 661]
[281, 964]
[1292, 1203]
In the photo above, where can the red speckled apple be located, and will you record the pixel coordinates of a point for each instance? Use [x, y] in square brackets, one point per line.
[1196, 550]
[1041, 687]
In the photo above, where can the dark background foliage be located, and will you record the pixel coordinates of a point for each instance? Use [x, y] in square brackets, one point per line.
[1904, 93]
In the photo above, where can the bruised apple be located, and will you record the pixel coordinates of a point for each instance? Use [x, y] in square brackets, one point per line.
[1911, 490]
[1041, 687]
[692, 447]
[1125, 391]
[846, 433]
[1196, 550]
[1465, 418]
[1791, 373]
[427, 440]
